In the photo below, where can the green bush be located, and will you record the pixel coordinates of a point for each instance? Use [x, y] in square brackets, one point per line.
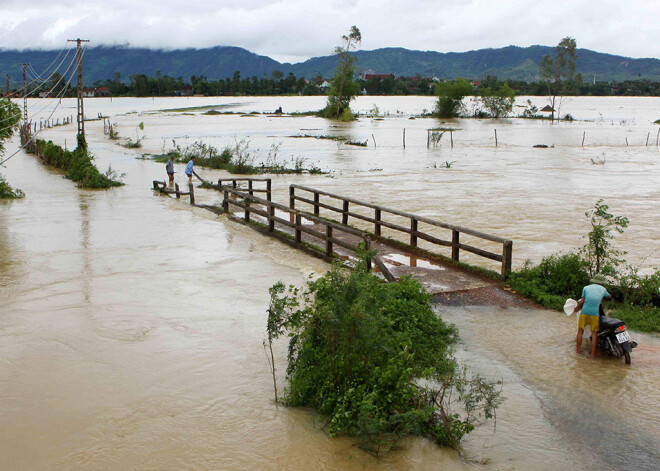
[376, 360]
[7, 192]
[553, 280]
[642, 318]
[78, 165]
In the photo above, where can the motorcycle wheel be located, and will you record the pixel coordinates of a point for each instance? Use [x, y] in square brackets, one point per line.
[626, 358]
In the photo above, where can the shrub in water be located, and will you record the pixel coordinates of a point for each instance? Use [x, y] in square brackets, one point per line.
[376, 360]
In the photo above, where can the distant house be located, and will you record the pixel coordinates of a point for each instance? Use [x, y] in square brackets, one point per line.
[102, 91]
[88, 92]
[325, 85]
[186, 90]
[43, 93]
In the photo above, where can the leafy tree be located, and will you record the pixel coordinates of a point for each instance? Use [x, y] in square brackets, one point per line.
[558, 68]
[10, 115]
[499, 102]
[599, 253]
[450, 96]
[343, 87]
[375, 359]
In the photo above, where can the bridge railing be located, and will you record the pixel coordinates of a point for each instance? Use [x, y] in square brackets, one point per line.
[281, 215]
[413, 224]
[253, 185]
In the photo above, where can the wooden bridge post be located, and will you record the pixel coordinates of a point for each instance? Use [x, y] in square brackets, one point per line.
[298, 226]
[225, 201]
[192, 193]
[377, 222]
[413, 232]
[455, 244]
[250, 192]
[220, 183]
[292, 197]
[507, 252]
[328, 240]
[367, 247]
[268, 189]
[344, 216]
[176, 190]
[271, 216]
[247, 209]
[316, 204]
[233, 184]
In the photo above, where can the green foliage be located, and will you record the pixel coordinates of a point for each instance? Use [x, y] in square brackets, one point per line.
[599, 253]
[78, 164]
[450, 96]
[10, 115]
[343, 86]
[7, 192]
[641, 318]
[498, 102]
[640, 290]
[376, 360]
[553, 280]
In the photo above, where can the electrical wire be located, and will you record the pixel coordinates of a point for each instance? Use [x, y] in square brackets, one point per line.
[66, 72]
[51, 114]
[25, 87]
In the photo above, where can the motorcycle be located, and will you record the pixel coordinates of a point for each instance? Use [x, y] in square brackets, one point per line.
[614, 339]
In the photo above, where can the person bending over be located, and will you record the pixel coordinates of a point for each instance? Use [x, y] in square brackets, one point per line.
[592, 295]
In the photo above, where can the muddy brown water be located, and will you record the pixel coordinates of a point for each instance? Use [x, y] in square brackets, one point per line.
[131, 325]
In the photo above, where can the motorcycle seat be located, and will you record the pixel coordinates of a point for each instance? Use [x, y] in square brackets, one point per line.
[609, 323]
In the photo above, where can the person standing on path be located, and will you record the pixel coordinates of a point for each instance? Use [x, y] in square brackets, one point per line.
[169, 168]
[592, 295]
[189, 169]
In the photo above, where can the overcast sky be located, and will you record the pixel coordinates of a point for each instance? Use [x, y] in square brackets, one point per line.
[295, 30]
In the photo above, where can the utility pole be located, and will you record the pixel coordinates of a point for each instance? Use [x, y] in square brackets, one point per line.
[8, 79]
[81, 113]
[25, 113]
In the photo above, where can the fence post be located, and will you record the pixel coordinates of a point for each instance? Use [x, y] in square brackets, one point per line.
[192, 193]
[292, 197]
[156, 184]
[455, 244]
[250, 192]
[268, 189]
[367, 247]
[507, 251]
[377, 222]
[328, 240]
[247, 209]
[271, 215]
[316, 204]
[225, 201]
[176, 189]
[344, 216]
[413, 232]
[298, 225]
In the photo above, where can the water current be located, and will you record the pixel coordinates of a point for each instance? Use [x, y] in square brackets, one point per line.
[131, 325]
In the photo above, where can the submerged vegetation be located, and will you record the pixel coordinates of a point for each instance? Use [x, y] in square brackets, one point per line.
[561, 276]
[376, 360]
[78, 164]
[235, 159]
[7, 192]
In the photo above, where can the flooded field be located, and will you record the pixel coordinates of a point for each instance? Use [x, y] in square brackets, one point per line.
[131, 324]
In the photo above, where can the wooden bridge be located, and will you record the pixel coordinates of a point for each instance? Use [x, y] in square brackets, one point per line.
[332, 226]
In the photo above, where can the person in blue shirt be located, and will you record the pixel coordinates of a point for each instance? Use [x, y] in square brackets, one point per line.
[592, 295]
[189, 169]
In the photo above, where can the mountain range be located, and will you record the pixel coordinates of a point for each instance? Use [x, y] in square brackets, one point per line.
[511, 62]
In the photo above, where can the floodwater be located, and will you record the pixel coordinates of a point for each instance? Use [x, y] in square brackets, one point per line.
[131, 325]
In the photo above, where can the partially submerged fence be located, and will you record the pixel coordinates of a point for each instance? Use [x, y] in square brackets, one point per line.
[412, 228]
[163, 188]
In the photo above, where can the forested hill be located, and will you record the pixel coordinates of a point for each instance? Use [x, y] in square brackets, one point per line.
[521, 63]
